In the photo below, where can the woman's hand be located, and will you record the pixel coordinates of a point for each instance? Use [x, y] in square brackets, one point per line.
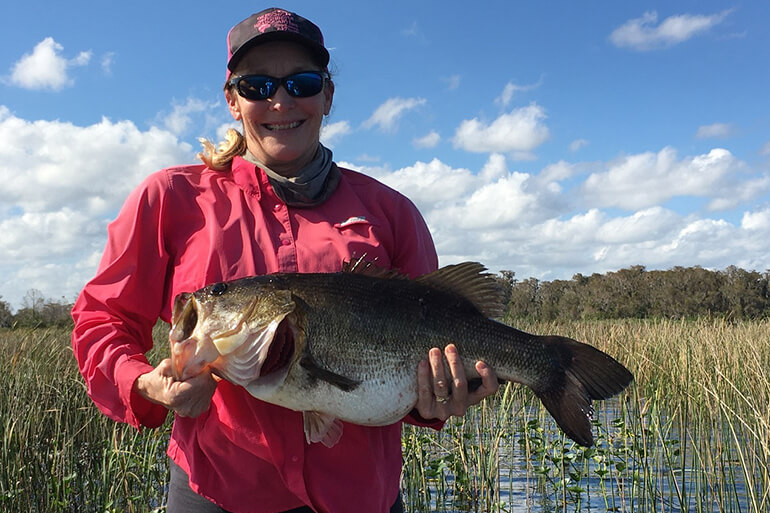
[440, 396]
[188, 398]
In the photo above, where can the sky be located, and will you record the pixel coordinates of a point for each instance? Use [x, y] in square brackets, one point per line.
[543, 138]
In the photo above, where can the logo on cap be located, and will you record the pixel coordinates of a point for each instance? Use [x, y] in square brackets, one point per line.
[277, 20]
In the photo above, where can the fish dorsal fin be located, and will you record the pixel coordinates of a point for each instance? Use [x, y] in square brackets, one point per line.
[370, 268]
[469, 281]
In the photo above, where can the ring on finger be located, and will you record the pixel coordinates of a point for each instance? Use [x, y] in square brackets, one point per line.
[442, 400]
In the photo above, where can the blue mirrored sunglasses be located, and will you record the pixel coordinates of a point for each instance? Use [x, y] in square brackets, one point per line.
[262, 87]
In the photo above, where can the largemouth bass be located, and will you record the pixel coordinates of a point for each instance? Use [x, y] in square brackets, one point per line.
[345, 346]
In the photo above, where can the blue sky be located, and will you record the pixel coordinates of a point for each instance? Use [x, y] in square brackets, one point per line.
[544, 138]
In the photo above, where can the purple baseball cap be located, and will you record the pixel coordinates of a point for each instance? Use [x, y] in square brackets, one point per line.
[274, 24]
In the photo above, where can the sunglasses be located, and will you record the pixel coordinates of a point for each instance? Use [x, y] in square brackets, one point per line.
[261, 87]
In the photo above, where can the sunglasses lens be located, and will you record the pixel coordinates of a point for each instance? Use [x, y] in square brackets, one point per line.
[256, 87]
[303, 85]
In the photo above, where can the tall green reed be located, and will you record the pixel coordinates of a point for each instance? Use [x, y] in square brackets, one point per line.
[59, 453]
[691, 434]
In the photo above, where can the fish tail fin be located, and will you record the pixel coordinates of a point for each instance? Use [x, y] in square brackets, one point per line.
[584, 373]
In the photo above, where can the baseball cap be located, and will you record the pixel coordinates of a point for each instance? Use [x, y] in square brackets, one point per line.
[274, 24]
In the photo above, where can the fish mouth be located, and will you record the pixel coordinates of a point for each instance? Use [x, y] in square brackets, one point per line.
[240, 352]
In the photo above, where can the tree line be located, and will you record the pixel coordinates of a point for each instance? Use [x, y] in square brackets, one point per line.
[635, 292]
[36, 311]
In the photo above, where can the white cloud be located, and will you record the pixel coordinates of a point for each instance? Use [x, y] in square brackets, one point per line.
[510, 89]
[183, 115]
[429, 140]
[61, 184]
[642, 33]
[765, 149]
[517, 133]
[577, 144]
[386, 116]
[45, 68]
[453, 82]
[648, 179]
[333, 132]
[48, 165]
[716, 130]
[107, 61]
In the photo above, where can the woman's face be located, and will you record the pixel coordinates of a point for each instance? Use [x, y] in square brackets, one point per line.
[281, 131]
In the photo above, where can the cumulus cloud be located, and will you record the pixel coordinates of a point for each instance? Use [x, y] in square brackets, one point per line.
[510, 89]
[647, 179]
[429, 140]
[516, 133]
[61, 184]
[184, 115]
[643, 34]
[452, 82]
[49, 165]
[577, 144]
[387, 115]
[45, 67]
[716, 130]
[331, 133]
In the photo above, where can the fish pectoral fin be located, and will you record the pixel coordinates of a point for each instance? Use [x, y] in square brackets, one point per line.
[342, 382]
[322, 427]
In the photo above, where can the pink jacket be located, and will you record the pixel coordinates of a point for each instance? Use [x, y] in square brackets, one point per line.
[186, 227]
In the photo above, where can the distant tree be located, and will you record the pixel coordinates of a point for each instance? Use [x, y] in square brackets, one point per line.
[506, 279]
[6, 317]
[524, 299]
[679, 292]
[37, 311]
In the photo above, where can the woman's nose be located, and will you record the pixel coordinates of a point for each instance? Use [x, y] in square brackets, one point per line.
[281, 100]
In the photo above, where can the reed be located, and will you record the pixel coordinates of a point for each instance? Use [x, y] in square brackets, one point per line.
[691, 434]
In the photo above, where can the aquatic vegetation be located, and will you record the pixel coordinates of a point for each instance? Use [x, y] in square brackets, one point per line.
[691, 434]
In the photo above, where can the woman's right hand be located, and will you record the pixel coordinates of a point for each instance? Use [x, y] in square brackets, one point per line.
[188, 398]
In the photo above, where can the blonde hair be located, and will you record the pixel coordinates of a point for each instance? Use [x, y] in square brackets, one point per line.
[219, 156]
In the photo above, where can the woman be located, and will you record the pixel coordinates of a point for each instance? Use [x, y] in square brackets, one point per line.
[269, 201]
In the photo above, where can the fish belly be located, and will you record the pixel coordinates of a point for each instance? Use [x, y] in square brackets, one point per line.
[376, 401]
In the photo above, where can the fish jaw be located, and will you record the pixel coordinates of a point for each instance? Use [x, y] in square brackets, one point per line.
[190, 357]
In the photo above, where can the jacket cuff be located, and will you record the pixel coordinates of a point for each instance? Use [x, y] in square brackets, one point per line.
[139, 411]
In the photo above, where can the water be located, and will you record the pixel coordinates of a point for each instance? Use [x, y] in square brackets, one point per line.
[640, 467]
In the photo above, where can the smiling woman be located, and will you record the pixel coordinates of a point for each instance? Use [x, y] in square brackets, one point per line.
[269, 200]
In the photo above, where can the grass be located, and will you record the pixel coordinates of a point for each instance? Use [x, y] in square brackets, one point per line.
[691, 434]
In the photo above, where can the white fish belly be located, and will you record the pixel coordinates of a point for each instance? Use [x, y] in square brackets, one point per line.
[376, 401]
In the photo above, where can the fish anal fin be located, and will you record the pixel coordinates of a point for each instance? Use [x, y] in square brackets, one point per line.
[321, 427]
[342, 382]
[469, 281]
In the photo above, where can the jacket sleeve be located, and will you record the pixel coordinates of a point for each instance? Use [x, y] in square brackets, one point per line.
[116, 311]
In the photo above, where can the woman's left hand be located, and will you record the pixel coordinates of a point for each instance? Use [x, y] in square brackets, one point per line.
[439, 396]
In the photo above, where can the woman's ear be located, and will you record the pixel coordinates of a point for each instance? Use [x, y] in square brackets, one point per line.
[232, 104]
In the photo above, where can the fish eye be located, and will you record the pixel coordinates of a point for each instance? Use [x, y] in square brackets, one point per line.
[219, 288]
